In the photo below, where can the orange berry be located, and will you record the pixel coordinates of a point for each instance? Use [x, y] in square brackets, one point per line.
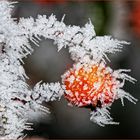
[89, 85]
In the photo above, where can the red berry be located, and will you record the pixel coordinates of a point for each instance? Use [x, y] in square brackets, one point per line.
[88, 85]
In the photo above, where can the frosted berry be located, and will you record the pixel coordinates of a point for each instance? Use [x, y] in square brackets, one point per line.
[90, 86]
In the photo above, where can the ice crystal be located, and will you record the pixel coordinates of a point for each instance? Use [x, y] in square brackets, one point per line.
[17, 99]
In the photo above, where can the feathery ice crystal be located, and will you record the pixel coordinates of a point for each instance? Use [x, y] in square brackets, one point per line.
[89, 83]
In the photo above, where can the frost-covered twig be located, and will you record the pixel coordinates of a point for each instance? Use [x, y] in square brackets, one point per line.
[102, 117]
[17, 99]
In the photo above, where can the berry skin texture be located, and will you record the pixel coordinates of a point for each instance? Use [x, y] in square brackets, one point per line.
[88, 86]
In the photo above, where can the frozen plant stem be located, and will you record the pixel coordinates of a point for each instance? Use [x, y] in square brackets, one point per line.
[17, 99]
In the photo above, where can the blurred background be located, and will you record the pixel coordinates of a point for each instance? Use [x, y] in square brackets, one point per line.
[118, 18]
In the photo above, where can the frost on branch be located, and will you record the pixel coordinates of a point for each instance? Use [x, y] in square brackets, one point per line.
[102, 117]
[90, 83]
[52, 90]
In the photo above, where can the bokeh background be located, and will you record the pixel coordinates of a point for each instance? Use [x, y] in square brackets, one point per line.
[119, 18]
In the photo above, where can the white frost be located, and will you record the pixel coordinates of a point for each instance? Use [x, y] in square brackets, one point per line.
[16, 97]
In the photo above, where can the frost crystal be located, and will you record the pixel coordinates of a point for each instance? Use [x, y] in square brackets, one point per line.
[102, 117]
[17, 99]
